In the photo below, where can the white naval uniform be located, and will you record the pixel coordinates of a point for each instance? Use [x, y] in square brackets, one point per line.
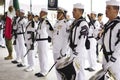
[20, 41]
[111, 46]
[2, 40]
[16, 47]
[92, 57]
[60, 40]
[29, 40]
[43, 46]
[79, 43]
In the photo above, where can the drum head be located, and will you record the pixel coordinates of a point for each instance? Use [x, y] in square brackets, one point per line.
[63, 63]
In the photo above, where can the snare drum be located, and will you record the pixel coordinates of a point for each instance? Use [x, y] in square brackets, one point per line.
[102, 75]
[66, 67]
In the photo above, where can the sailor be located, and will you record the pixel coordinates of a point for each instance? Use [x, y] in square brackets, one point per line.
[93, 28]
[78, 34]
[111, 39]
[43, 30]
[16, 48]
[60, 36]
[29, 40]
[20, 41]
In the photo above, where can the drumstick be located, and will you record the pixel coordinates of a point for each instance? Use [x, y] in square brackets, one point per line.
[51, 68]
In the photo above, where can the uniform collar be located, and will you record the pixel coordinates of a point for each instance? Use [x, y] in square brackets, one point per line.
[63, 20]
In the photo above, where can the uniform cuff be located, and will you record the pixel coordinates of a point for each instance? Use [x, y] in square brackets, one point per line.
[113, 59]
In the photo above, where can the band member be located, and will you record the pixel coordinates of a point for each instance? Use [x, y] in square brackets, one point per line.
[20, 41]
[78, 34]
[60, 37]
[15, 28]
[93, 28]
[43, 30]
[111, 39]
[100, 20]
[29, 40]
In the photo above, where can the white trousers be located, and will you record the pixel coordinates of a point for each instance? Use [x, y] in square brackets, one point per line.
[31, 58]
[43, 56]
[16, 48]
[21, 49]
[92, 57]
[81, 73]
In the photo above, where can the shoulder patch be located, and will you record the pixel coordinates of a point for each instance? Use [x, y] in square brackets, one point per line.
[84, 31]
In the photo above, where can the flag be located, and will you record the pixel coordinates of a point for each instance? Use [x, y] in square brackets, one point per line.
[10, 14]
[15, 4]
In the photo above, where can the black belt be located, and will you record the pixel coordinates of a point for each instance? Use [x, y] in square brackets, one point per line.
[90, 37]
[29, 32]
[20, 33]
[42, 39]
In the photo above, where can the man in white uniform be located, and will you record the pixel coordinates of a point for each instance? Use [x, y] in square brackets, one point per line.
[60, 36]
[111, 39]
[44, 28]
[16, 48]
[78, 34]
[29, 40]
[93, 28]
[20, 41]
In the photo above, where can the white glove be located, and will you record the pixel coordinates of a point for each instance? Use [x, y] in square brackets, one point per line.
[106, 66]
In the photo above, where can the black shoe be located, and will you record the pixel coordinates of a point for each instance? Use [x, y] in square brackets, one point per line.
[14, 62]
[40, 75]
[37, 74]
[89, 69]
[2, 46]
[20, 65]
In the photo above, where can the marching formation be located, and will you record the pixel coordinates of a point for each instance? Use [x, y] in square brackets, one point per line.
[71, 41]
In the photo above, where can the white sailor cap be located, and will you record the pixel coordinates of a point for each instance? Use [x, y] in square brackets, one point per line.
[113, 3]
[60, 9]
[78, 5]
[93, 12]
[44, 10]
[22, 11]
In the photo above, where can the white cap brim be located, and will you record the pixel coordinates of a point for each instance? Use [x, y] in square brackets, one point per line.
[78, 5]
[44, 10]
[22, 11]
[113, 3]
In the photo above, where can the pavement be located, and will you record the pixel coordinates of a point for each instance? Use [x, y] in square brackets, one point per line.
[9, 71]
